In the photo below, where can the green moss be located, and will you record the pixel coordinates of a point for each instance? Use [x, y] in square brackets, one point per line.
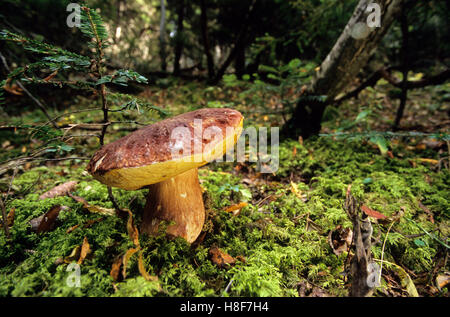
[280, 242]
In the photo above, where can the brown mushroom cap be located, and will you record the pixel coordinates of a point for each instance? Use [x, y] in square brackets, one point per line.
[146, 157]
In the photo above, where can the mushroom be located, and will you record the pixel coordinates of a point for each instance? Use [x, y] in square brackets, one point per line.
[165, 157]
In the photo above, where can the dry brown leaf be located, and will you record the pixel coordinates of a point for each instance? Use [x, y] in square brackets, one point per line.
[92, 221]
[428, 160]
[220, 258]
[427, 210]
[47, 221]
[372, 213]
[125, 259]
[59, 190]
[93, 208]
[115, 269]
[133, 232]
[72, 228]
[340, 239]
[74, 255]
[10, 217]
[142, 270]
[236, 207]
[85, 250]
[442, 280]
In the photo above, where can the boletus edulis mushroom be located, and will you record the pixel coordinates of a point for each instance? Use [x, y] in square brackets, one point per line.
[164, 157]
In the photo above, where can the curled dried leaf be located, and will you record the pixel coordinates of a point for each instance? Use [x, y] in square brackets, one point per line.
[59, 190]
[10, 217]
[93, 208]
[115, 269]
[142, 270]
[85, 250]
[47, 221]
[125, 260]
[372, 213]
[74, 255]
[221, 258]
[133, 232]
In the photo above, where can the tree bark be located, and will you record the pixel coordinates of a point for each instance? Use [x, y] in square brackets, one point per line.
[162, 36]
[239, 45]
[205, 38]
[405, 70]
[350, 53]
[179, 37]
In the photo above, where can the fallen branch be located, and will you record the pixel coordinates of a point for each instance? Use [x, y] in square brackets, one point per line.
[384, 73]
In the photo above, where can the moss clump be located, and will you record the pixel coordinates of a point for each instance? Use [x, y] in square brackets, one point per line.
[278, 242]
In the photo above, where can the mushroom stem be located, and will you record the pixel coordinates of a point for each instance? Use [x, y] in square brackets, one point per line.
[178, 200]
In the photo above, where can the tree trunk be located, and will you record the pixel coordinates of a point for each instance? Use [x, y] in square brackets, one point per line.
[404, 94]
[239, 62]
[239, 44]
[350, 53]
[179, 37]
[162, 36]
[206, 46]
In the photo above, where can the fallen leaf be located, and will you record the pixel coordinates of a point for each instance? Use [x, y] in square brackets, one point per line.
[427, 210]
[340, 239]
[296, 192]
[47, 221]
[142, 270]
[133, 232]
[92, 221]
[72, 228]
[59, 190]
[93, 208]
[115, 269]
[10, 217]
[421, 146]
[74, 255]
[372, 213]
[236, 207]
[125, 259]
[427, 160]
[405, 279]
[442, 280]
[85, 250]
[220, 258]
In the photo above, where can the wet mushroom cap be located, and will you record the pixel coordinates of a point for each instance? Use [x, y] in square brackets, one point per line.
[167, 148]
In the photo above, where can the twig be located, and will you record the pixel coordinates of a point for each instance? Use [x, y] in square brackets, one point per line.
[382, 250]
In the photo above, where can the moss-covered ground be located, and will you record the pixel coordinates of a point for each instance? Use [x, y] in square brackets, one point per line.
[279, 239]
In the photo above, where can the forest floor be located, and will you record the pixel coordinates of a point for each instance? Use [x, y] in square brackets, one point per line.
[280, 234]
